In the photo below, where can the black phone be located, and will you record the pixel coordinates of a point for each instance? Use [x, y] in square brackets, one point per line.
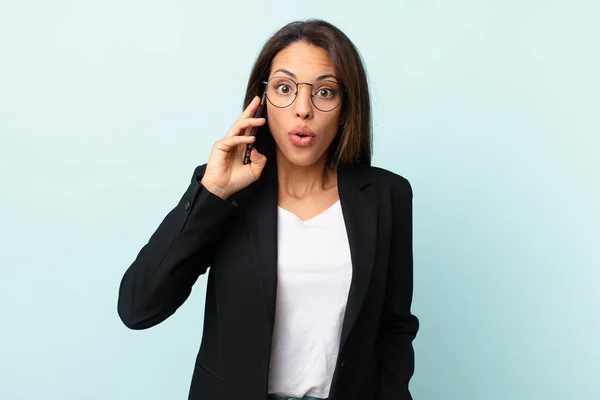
[259, 113]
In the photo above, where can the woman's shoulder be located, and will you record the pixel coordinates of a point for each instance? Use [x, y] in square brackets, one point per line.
[385, 178]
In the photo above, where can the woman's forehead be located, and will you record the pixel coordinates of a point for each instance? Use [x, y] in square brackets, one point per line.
[302, 60]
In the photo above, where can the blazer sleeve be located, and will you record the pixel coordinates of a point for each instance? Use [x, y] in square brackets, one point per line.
[178, 252]
[398, 326]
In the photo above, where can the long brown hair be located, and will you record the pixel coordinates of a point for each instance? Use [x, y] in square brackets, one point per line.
[353, 141]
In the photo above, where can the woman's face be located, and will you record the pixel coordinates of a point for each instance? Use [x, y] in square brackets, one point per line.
[302, 62]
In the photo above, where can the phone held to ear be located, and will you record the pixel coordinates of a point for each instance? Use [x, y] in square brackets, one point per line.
[258, 114]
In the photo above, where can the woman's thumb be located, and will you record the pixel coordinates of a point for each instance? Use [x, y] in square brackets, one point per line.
[257, 159]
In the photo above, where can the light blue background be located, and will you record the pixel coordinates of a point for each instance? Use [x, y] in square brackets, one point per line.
[489, 108]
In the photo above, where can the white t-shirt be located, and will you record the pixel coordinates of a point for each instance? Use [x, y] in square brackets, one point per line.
[314, 274]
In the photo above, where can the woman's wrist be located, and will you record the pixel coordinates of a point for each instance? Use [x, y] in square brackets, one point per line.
[216, 190]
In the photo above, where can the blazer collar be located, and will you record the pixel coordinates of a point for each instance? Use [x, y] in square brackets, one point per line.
[359, 208]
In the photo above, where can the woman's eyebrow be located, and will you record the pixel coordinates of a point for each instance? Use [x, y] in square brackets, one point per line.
[285, 71]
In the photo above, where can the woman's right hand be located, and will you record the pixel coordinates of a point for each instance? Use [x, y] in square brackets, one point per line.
[225, 172]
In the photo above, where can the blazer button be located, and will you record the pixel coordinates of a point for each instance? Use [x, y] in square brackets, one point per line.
[343, 363]
[187, 205]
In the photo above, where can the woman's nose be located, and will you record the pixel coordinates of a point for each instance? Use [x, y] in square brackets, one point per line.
[303, 104]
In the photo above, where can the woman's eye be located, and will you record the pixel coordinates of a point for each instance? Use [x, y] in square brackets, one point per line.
[325, 92]
[284, 89]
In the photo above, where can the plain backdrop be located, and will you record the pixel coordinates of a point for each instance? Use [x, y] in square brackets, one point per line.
[489, 108]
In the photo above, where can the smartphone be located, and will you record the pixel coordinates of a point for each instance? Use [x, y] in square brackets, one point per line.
[258, 114]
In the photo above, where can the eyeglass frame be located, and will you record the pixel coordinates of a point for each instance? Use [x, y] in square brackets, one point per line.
[342, 90]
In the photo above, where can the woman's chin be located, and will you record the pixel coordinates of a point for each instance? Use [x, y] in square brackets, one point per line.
[303, 158]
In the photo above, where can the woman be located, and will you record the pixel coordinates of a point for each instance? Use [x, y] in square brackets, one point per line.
[309, 247]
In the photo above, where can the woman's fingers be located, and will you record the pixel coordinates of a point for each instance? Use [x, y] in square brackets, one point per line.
[251, 109]
[229, 143]
[240, 126]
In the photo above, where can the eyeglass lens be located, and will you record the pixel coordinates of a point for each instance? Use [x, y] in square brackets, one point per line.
[325, 94]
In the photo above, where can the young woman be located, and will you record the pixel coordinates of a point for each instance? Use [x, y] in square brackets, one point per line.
[308, 247]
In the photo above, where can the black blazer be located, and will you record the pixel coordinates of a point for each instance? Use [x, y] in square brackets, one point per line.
[237, 239]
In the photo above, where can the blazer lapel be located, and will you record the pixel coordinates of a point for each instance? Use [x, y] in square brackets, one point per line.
[359, 208]
[261, 214]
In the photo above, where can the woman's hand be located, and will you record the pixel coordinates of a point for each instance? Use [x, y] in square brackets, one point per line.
[225, 172]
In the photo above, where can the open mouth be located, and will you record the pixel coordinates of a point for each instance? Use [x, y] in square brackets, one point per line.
[302, 139]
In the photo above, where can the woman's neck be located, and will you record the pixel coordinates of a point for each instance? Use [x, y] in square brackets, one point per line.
[300, 182]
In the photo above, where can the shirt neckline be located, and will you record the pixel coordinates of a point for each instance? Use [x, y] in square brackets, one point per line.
[318, 216]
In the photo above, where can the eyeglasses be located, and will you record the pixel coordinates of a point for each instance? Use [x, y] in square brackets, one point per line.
[325, 94]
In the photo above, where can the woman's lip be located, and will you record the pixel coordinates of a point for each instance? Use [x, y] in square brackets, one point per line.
[301, 141]
[303, 129]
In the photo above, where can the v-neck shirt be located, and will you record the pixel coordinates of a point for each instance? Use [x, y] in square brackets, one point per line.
[314, 273]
